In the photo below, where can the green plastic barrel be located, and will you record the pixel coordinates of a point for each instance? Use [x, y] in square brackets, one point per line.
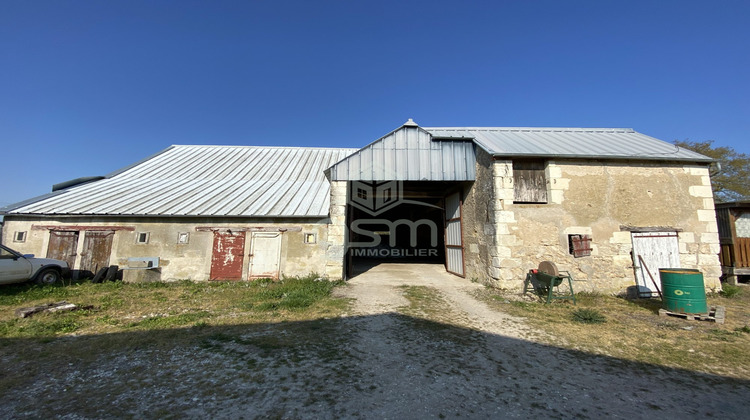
[683, 290]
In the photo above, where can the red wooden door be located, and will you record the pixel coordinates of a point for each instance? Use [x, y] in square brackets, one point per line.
[228, 255]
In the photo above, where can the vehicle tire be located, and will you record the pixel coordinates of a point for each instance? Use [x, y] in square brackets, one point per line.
[48, 276]
[112, 273]
[99, 277]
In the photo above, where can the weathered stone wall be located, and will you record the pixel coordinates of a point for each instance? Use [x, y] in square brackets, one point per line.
[335, 246]
[477, 223]
[181, 261]
[604, 200]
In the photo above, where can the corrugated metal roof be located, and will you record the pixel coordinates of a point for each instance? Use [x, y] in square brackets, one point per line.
[205, 181]
[290, 182]
[408, 154]
[594, 143]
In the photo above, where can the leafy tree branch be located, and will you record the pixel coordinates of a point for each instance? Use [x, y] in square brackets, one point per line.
[732, 181]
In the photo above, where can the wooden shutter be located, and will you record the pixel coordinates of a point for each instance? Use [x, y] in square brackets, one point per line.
[580, 245]
[530, 184]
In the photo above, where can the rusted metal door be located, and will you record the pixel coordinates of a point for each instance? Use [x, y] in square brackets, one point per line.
[97, 247]
[228, 255]
[652, 251]
[265, 255]
[454, 244]
[63, 245]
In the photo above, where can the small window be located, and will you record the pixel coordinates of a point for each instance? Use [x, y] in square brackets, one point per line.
[19, 237]
[142, 237]
[362, 193]
[183, 237]
[579, 245]
[310, 238]
[529, 182]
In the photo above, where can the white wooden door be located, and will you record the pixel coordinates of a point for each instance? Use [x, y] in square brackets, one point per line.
[652, 251]
[454, 245]
[265, 255]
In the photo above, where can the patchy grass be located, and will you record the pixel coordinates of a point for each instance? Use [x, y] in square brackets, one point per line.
[730, 291]
[121, 307]
[292, 293]
[425, 302]
[252, 320]
[635, 331]
[429, 315]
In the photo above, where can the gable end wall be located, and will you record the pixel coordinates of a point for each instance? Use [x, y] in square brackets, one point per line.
[602, 199]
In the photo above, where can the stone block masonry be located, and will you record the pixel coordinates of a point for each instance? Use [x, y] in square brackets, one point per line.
[605, 200]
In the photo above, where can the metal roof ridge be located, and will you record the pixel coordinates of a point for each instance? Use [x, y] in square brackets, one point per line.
[265, 147]
[536, 129]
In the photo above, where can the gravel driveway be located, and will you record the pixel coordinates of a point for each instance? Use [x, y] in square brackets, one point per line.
[380, 361]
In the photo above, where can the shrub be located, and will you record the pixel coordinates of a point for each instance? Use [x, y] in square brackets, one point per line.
[588, 316]
[729, 291]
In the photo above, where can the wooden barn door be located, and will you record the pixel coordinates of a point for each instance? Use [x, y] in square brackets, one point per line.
[228, 255]
[265, 255]
[97, 247]
[652, 251]
[454, 244]
[63, 245]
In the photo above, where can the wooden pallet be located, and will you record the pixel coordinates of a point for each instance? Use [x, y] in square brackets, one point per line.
[715, 314]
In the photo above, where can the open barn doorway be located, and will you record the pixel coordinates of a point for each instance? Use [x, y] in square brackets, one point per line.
[404, 222]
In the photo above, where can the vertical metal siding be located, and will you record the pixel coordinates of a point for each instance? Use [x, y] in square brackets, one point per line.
[452, 207]
[408, 154]
[454, 252]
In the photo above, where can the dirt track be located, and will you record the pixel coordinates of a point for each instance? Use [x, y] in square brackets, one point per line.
[380, 361]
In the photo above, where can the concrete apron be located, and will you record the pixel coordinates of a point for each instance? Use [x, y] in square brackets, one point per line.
[406, 274]
[377, 290]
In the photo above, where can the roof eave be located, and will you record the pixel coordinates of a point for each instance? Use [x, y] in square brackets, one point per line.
[601, 157]
[166, 216]
[734, 204]
[10, 207]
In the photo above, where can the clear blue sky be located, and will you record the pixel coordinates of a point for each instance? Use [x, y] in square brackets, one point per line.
[87, 87]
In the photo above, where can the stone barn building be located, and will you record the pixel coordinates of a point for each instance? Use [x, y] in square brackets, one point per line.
[190, 212]
[611, 206]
